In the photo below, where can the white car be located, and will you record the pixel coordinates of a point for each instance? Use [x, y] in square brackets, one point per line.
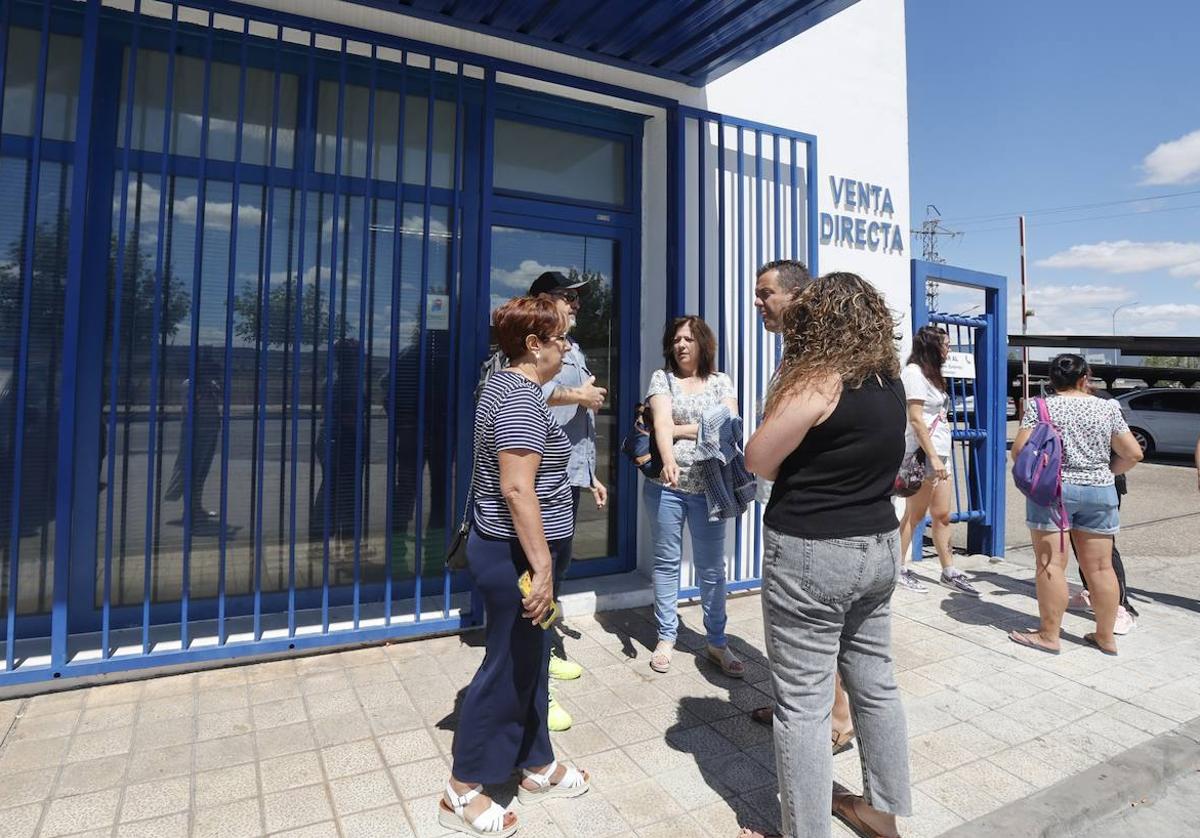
[1164, 420]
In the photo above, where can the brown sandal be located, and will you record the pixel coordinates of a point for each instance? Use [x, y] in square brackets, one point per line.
[764, 715]
[845, 809]
[842, 740]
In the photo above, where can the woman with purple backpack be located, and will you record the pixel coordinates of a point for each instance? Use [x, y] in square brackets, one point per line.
[1095, 445]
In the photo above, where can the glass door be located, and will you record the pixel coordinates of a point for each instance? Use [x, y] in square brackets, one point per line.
[521, 251]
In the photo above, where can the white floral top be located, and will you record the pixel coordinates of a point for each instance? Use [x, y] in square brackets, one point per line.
[687, 409]
[1087, 425]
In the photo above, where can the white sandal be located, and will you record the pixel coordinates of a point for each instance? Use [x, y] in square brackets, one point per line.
[660, 660]
[572, 784]
[724, 657]
[488, 825]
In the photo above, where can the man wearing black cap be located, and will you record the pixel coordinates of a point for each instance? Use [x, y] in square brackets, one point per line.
[574, 399]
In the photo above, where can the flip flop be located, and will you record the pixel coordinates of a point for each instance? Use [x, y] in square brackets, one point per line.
[1022, 639]
[845, 811]
[1090, 639]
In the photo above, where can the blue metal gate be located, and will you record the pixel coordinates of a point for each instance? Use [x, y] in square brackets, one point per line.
[979, 404]
[745, 194]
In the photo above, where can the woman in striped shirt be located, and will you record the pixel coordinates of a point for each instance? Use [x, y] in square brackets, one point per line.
[523, 521]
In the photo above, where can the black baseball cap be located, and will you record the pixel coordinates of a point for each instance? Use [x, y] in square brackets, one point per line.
[552, 281]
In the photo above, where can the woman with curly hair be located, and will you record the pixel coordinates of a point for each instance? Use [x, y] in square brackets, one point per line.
[832, 440]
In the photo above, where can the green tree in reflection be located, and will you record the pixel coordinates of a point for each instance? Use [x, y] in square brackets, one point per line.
[593, 323]
[282, 312]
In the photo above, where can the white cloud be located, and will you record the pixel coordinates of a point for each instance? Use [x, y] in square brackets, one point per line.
[1161, 310]
[1174, 162]
[517, 282]
[1126, 257]
[1081, 294]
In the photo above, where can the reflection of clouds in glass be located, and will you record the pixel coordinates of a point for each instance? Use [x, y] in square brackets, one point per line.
[517, 281]
[218, 215]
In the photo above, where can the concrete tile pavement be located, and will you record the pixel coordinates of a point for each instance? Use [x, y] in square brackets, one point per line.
[357, 742]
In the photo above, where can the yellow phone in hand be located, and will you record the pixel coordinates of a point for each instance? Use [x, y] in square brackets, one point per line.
[525, 585]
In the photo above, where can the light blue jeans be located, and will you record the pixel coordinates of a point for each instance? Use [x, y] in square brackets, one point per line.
[668, 510]
[826, 607]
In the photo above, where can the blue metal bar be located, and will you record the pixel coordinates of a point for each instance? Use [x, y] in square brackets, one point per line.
[701, 138]
[156, 327]
[760, 338]
[265, 338]
[305, 151]
[22, 359]
[452, 293]
[676, 215]
[957, 320]
[227, 386]
[484, 254]
[328, 472]
[394, 342]
[72, 316]
[115, 341]
[810, 208]
[778, 249]
[189, 427]
[795, 200]
[740, 303]
[721, 236]
[205, 654]
[422, 353]
[366, 278]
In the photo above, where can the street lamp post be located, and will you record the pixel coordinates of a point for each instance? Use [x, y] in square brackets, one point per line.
[1114, 314]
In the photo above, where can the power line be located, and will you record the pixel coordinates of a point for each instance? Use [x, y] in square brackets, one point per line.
[1089, 218]
[1050, 210]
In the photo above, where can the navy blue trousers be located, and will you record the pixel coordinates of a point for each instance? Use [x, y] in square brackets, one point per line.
[502, 722]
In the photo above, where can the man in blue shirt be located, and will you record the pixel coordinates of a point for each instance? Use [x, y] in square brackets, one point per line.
[573, 398]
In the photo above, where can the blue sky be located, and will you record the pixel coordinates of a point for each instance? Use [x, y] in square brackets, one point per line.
[1027, 105]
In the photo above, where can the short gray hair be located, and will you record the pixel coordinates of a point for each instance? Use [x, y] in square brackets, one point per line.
[793, 275]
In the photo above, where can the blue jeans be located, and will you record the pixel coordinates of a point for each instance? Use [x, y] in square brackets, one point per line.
[668, 510]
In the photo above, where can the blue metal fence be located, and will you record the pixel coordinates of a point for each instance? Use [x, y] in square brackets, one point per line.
[743, 193]
[978, 405]
[209, 275]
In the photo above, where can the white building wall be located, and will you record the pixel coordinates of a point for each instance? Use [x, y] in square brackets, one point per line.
[844, 80]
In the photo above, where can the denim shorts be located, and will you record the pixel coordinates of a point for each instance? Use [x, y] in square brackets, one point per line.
[1089, 509]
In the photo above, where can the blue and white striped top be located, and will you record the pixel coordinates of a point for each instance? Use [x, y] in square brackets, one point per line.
[511, 414]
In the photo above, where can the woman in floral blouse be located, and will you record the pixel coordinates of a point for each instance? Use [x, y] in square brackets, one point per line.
[679, 394]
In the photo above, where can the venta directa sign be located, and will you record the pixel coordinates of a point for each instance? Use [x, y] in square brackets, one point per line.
[864, 217]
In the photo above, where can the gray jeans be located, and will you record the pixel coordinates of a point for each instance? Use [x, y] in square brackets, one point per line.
[827, 603]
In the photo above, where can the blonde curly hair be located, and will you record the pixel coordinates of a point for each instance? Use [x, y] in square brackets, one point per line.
[839, 324]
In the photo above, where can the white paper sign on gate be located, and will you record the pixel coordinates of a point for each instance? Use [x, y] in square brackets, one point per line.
[437, 312]
[959, 365]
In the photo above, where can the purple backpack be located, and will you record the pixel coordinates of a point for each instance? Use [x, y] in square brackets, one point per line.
[1038, 468]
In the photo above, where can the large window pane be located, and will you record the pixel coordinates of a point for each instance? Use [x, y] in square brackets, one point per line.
[518, 257]
[548, 161]
[20, 84]
[36, 484]
[187, 111]
[387, 129]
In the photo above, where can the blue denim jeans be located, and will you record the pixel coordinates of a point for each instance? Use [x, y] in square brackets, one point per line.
[668, 511]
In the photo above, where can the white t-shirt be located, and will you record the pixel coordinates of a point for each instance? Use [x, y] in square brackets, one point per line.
[935, 406]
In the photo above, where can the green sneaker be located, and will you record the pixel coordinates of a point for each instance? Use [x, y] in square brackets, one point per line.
[557, 719]
[564, 670]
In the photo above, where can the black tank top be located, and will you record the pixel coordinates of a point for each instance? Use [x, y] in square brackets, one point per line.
[838, 482]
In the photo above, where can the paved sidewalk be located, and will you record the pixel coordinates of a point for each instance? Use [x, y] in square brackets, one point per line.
[356, 743]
